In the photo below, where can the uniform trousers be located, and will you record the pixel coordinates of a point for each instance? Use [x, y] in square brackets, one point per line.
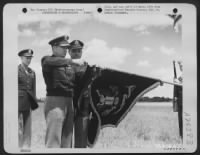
[24, 128]
[59, 115]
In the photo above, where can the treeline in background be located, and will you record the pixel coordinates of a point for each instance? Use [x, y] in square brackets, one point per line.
[142, 99]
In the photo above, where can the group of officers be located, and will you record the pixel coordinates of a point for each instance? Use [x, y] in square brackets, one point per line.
[61, 114]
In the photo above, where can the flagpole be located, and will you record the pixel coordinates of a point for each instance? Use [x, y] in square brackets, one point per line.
[166, 82]
[171, 83]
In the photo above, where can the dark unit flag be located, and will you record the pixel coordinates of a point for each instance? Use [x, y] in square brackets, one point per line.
[112, 95]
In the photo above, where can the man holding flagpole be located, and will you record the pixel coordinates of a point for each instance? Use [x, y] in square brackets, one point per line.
[81, 109]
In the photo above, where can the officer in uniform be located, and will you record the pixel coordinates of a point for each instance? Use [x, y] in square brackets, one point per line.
[82, 108]
[59, 79]
[26, 97]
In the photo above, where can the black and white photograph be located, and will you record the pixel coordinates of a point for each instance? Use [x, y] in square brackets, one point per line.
[100, 78]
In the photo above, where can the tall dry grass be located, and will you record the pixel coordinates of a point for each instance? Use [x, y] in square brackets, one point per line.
[143, 126]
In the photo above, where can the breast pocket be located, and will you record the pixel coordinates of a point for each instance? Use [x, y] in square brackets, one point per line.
[21, 93]
[21, 78]
[32, 75]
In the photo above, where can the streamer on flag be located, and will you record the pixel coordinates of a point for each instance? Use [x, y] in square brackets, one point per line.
[178, 94]
[179, 80]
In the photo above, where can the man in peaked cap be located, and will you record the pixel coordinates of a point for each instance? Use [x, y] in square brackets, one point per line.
[61, 41]
[82, 108]
[75, 49]
[26, 97]
[26, 53]
[59, 78]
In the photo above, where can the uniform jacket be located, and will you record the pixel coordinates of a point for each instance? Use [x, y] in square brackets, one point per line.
[26, 89]
[58, 75]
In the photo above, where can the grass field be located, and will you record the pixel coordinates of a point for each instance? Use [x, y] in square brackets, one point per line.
[144, 125]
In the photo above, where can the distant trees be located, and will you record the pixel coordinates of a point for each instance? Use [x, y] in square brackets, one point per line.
[41, 99]
[155, 99]
[143, 99]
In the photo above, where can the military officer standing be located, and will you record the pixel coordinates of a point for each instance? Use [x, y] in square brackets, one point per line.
[26, 97]
[59, 79]
[82, 108]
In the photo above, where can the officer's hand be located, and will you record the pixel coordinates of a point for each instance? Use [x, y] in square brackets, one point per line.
[79, 62]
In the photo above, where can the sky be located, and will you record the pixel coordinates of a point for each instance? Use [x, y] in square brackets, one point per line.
[136, 43]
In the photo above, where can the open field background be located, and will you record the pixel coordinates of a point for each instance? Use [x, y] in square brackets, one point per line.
[146, 124]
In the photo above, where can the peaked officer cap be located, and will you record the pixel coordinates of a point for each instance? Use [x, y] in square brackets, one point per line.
[60, 41]
[26, 53]
[76, 44]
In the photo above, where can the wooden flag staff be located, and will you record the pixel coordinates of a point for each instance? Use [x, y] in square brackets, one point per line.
[171, 83]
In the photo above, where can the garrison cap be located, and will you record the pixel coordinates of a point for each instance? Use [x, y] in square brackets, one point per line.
[26, 53]
[60, 41]
[76, 44]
